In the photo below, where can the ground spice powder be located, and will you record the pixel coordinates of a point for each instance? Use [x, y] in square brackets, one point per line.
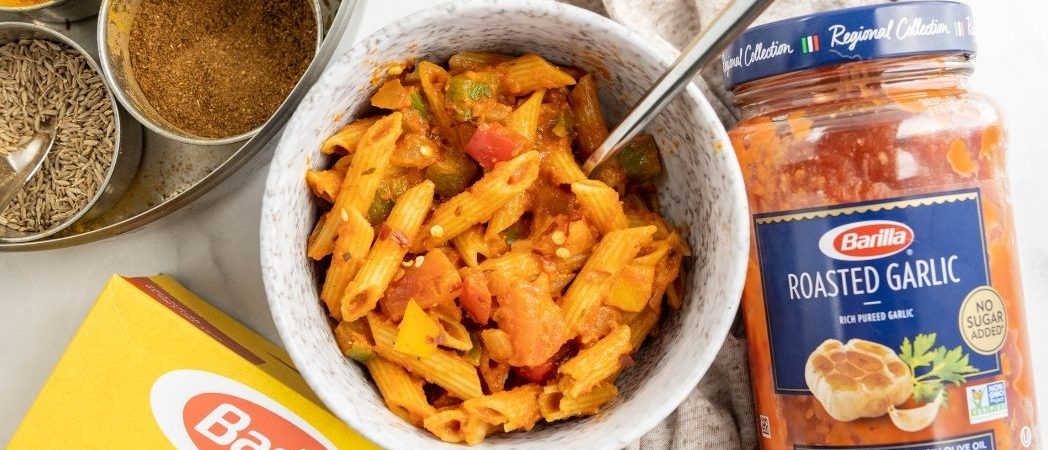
[219, 68]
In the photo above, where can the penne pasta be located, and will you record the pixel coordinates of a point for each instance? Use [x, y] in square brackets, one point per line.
[394, 238]
[457, 426]
[579, 375]
[530, 73]
[443, 368]
[601, 205]
[345, 140]
[361, 181]
[661, 290]
[474, 60]
[470, 245]
[450, 309]
[342, 166]
[641, 325]
[609, 257]
[673, 297]
[560, 166]
[525, 119]
[493, 372]
[480, 202]
[507, 215]
[678, 242]
[475, 430]
[555, 405]
[600, 322]
[667, 272]
[401, 391]
[433, 79]
[355, 236]
[447, 425]
[670, 279]
[658, 251]
[454, 335]
[589, 121]
[515, 409]
[497, 343]
[518, 263]
[567, 270]
[324, 184]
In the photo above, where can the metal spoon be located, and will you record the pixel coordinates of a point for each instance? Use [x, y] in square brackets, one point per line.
[701, 51]
[20, 165]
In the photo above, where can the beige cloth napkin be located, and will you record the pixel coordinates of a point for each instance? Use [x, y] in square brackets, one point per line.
[718, 414]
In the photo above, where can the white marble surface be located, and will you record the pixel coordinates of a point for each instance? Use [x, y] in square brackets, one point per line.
[212, 246]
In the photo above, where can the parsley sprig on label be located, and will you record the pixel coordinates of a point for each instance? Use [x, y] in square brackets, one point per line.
[937, 365]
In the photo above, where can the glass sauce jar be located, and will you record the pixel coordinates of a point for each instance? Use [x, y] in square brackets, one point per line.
[883, 303]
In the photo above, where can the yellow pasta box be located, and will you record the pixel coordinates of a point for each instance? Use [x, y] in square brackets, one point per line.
[154, 366]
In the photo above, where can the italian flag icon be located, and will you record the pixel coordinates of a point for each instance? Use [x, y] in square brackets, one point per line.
[810, 43]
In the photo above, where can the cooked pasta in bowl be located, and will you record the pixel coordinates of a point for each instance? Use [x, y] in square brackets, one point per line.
[441, 269]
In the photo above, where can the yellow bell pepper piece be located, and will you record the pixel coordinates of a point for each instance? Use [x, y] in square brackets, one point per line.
[632, 289]
[417, 332]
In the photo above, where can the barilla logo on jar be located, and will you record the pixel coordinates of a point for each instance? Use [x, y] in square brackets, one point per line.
[202, 410]
[870, 239]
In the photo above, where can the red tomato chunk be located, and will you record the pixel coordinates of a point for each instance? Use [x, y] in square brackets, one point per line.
[433, 283]
[533, 322]
[494, 143]
[476, 297]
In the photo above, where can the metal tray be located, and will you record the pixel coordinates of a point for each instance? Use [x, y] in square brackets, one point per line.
[171, 174]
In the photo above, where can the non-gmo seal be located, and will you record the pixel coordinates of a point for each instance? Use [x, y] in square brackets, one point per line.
[983, 320]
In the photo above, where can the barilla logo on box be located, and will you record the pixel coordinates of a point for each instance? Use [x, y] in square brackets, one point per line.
[870, 239]
[202, 410]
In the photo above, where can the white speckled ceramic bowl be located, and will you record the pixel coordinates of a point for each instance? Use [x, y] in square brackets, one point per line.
[702, 189]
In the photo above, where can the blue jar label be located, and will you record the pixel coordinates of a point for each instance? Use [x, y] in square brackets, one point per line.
[894, 272]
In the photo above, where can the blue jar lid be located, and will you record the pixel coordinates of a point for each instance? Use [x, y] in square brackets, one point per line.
[852, 34]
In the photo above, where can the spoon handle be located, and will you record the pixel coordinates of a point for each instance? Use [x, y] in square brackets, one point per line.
[19, 166]
[701, 51]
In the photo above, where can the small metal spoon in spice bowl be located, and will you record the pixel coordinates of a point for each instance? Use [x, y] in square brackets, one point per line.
[20, 165]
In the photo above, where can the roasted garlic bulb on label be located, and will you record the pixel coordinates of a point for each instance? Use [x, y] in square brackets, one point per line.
[858, 379]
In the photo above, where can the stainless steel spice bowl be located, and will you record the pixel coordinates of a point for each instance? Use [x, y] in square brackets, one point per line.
[127, 139]
[57, 10]
[114, 31]
[26, 9]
